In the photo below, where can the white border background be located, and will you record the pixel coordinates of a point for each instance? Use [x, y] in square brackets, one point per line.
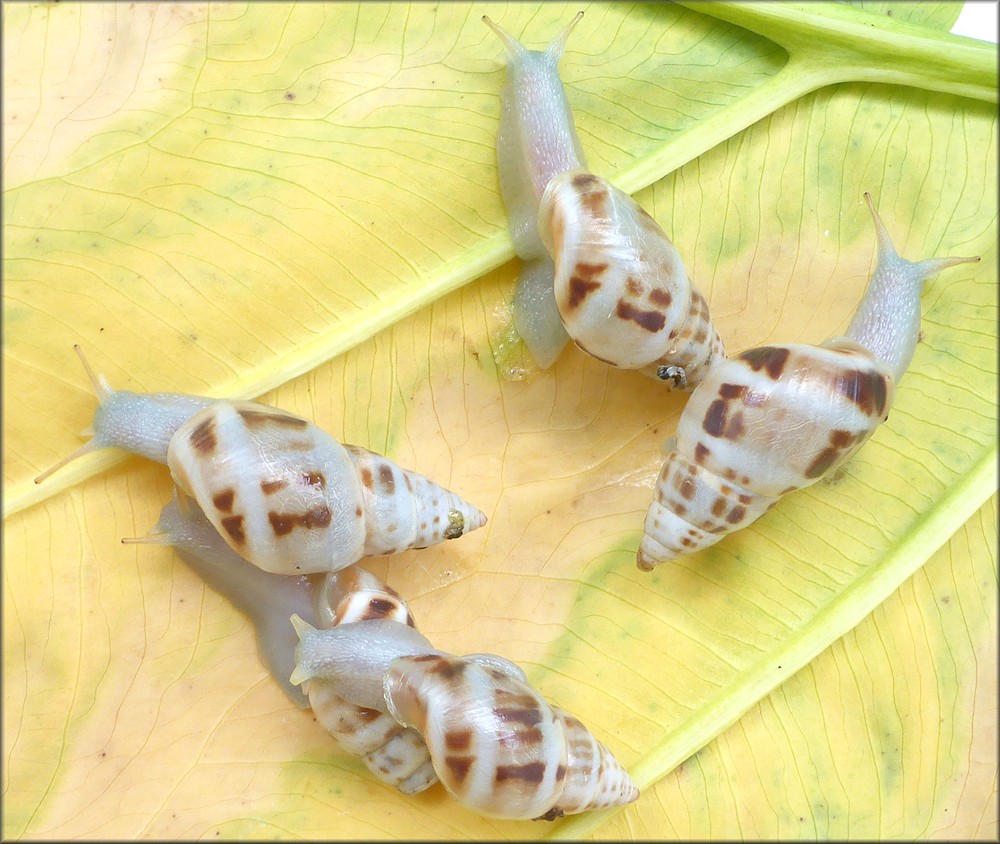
[978, 19]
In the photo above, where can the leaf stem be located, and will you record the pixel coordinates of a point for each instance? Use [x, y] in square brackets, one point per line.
[851, 45]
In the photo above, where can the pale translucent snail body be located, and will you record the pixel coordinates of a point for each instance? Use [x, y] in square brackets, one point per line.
[395, 754]
[283, 493]
[774, 419]
[597, 268]
[496, 745]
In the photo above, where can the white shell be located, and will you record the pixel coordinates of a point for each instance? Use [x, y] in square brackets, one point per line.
[620, 285]
[775, 419]
[497, 746]
[289, 498]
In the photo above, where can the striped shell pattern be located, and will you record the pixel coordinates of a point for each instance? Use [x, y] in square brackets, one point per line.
[497, 746]
[290, 499]
[620, 285]
[395, 754]
[821, 403]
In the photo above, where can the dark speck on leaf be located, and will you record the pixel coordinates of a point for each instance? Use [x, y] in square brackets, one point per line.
[290, 96]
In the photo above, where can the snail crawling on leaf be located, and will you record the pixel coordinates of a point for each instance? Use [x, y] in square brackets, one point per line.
[395, 754]
[497, 746]
[283, 494]
[413, 714]
[596, 267]
[774, 419]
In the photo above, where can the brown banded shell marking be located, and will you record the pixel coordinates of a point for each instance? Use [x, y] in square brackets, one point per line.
[405, 509]
[820, 403]
[395, 754]
[774, 419]
[620, 285]
[497, 746]
[289, 498]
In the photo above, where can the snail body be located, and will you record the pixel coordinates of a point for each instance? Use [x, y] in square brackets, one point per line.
[774, 419]
[596, 267]
[395, 754]
[282, 493]
[496, 745]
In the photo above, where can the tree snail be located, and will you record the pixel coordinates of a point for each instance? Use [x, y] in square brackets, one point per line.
[496, 745]
[774, 419]
[596, 267]
[283, 494]
[395, 754]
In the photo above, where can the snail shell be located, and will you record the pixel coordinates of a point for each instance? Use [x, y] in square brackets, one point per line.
[288, 497]
[774, 419]
[494, 742]
[620, 285]
[498, 747]
[283, 494]
[395, 754]
[596, 268]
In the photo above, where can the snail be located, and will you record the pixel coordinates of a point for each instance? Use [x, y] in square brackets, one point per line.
[496, 745]
[395, 754]
[283, 494]
[774, 419]
[618, 287]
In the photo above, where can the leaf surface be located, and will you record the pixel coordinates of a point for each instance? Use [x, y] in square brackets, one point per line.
[300, 201]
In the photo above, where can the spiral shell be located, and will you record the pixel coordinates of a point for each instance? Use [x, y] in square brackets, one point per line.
[761, 424]
[775, 419]
[395, 754]
[290, 499]
[497, 746]
[620, 285]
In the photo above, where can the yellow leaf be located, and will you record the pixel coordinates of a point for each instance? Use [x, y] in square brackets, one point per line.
[235, 199]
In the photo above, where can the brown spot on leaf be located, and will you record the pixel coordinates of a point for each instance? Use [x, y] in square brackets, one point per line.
[651, 321]
[771, 359]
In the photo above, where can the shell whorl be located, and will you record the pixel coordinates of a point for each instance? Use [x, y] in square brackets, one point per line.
[763, 423]
[395, 754]
[620, 285]
[497, 746]
[290, 499]
[403, 509]
[775, 419]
